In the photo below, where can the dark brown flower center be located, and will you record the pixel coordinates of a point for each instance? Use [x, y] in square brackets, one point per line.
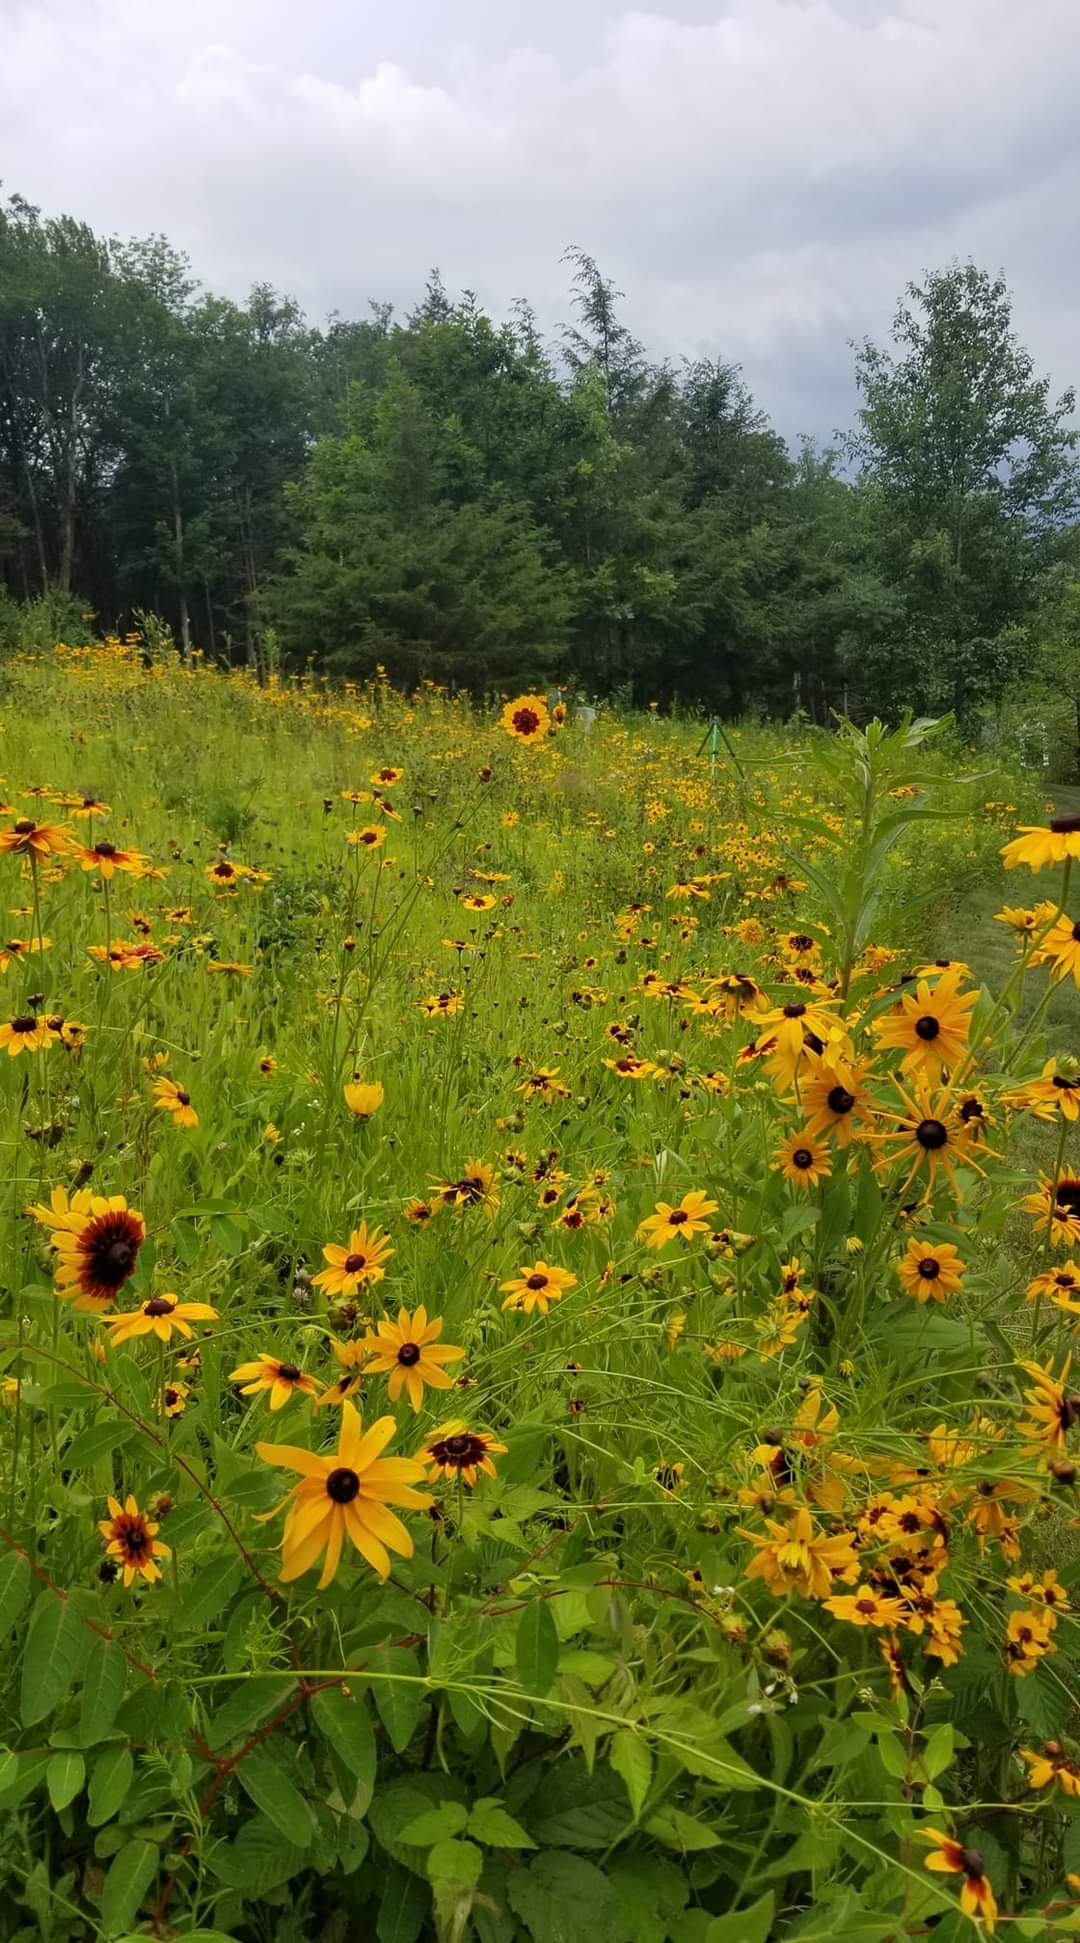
[354, 1264]
[132, 1537]
[867, 1606]
[927, 1027]
[1065, 1085]
[24, 826]
[409, 1353]
[795, 1011]
[342, 1485]
[182, 1098]
[972, 1863]
[526, 721]
[290, 1372]
[799, 942]
[459, 1451]
[1067, 1199]
[839, 1100]
[929, 1268]
[26, 1022]
[931, 1134]
[677, 1217]
[1062, 826]
[104, 849]
[111, 1246]
[539, 1281]
[802, 1157]
[159, 1305]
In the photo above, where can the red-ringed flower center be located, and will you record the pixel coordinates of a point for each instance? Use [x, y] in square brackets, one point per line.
[526, 721]
[171, 1397]
[354, 1264]
[839, 1100]
[802, 1157]
[927, 1027]
[931, 1134]
[343, 1485]
[929, 1268]
[132, 1537]
[289, 1372]
[409, 1353]
[159, 1305]
[536, 1282]
[972, 1863]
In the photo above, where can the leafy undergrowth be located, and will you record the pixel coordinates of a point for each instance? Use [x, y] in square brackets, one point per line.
[519, 1420]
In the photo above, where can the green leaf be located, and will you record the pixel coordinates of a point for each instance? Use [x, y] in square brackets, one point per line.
[490, 1824]
[753, 1925]
[578, 1810]
[457, 1862]
[252, 1702]
[64, 1777]
[271, 1790]
[113, 1773]
[343, 1720]
[104, 1681]
[14, 1589]
[399, 1692]
[435, 1824]
[403, 1908]
[211, 1589]
[53, 1654]
[680, 1830]
[536, 1649]
[631, 1759]
[130, 1874]
[939, 1749]
[563, 1898]
[98, 1441]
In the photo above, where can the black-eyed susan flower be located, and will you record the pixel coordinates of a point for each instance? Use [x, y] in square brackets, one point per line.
[228, 968]
[1057, 1090]
[159, 1317]
[476, 1188]
[35, 840]
[799, 1557]
[97, 1239]
[281, 1380]
[930, 1026]
[16, 949]
[1060, 950]
[454, 1451]
[172, 1401]
[106, 858]
[834, 1099]
[347, 1493]
[356, 1267]
[417, 1211]
[803, 1158]
[931, 1270]
[1028, 1639]
[1053, 1409]
[685, 1219]
[953, 1858]
[526, 718]
[369, 838]
[409, 1354]
[24, 1033]
[176, 1101]
[866, 1607]
[1051, 1765]
[927, 1135]
[350, 1359]
[131, 1540]
[1056, 1206]
[1037, 845]
[364, 1097]
[536, 1288]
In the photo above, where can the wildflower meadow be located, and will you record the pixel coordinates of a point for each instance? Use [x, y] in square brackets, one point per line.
[537, 1320]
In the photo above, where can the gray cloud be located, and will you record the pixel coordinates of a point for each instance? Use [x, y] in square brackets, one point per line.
[760, 176]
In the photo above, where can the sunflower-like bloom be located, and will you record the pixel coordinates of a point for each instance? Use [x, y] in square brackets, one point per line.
[1060, 949]
[1053, 1409]
[357, 1266]
[537, 1287]
[804, 1159]
[1052, 1764]
[454, 1451]
[364, 1097]
[1037, 845]
[410, 1355]
[792, 1029]
[97, 1239]
[929, 1135]
[106, 858]
[171, 1098]
[688, 1218]
[1056, 1205]
[952, 1858]
[25, 1033]
[833, 1097]
[1057, 1090]
[865, 1607]
[931, 1270]
[526, 718]
[35, 840]
[475, 1189]
[386, 778]
[368, 838]
[797, 1557]
[349, 1492]
[1062, 1285]
[282, 1380]
[350, 1359]
[1027, 1641]
[158, 1317]
[16, 949]
[930, 1026]
[131, 1540]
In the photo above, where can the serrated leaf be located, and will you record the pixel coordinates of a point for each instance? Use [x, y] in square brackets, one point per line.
[435, 1825]
[490, 1824]
[64, 1777]
[14, 1589]
[211, 1589]
[271, 1790]
[632, 1761]
[104, 1681]
[399, 1692]
[563, 1898]
[55, 1644]
[536, 1648]
[114, 1771]
[130, 1874]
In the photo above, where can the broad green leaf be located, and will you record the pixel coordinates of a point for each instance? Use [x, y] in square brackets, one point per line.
[130, 1874]
[98, 1441]
[210, 1590]
[104, 1681]
[490, 1824]
[435, 1824]
[14, 1589]
[631, 1759]
[252, 1702]
[452, 1861]
[536, 1648]
[563, 1898]
[938, 1752]
[114, 1771]
[399, 1692]
[752, 1925]
[52, 1657]
[271, 1790]
[678, 1830]
[404, 1907]
[344, 1721]
[64, 1777]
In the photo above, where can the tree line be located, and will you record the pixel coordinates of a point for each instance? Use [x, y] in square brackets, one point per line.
[453, 497]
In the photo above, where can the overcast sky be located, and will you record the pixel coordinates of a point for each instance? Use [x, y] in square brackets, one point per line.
[760, 176]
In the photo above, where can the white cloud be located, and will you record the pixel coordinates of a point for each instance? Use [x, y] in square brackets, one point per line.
[761, 177]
